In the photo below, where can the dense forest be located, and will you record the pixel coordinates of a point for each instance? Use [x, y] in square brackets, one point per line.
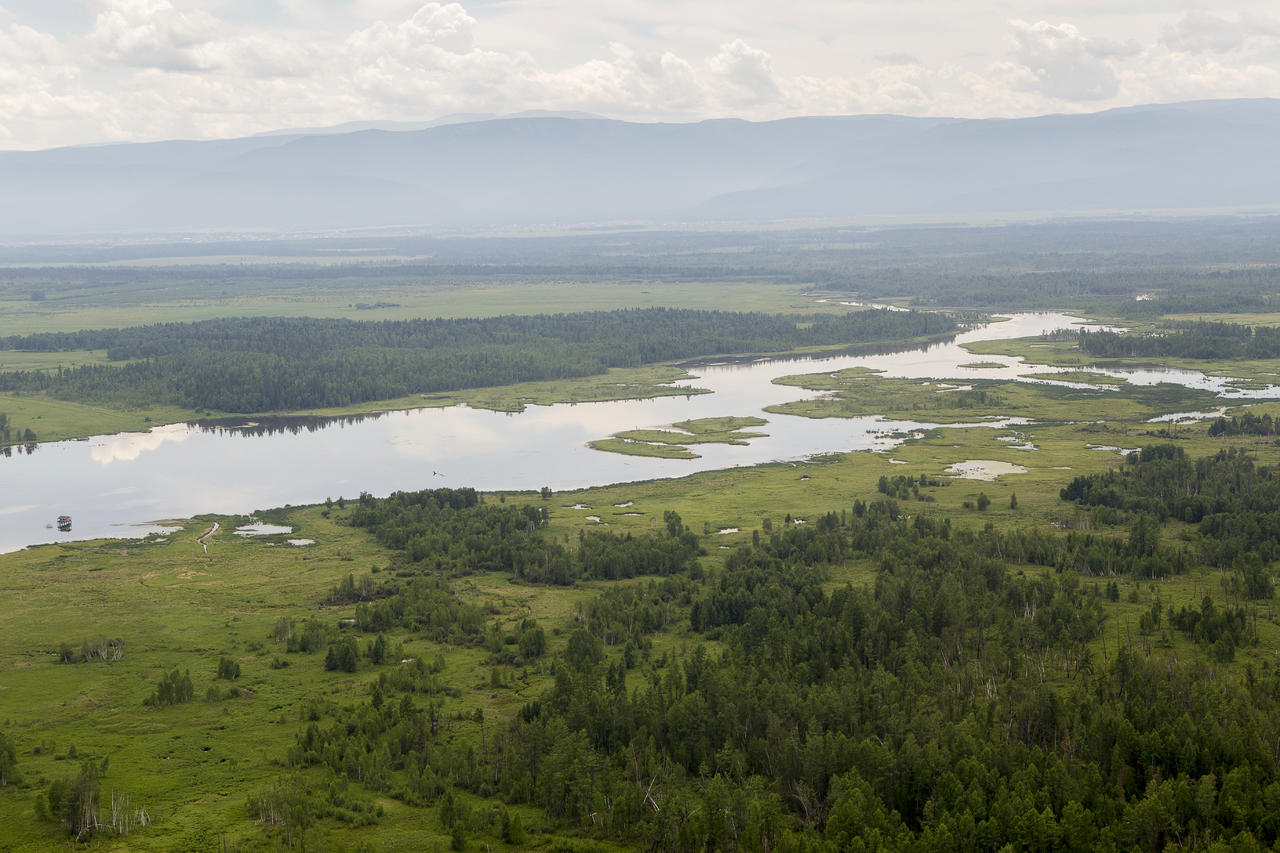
[957, 701]
[258, 365]
[1189, 340]
[1233, 504]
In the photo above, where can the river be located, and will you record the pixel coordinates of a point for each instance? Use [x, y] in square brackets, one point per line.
[113, 485]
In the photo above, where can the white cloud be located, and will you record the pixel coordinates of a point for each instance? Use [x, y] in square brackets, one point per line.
[1061, 62]
[433, 28]
[147, 69]
[22, 44]
[746, 74]
[152, 33]
[1203, 32]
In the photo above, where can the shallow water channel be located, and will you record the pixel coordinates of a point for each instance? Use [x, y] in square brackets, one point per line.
[113, 485]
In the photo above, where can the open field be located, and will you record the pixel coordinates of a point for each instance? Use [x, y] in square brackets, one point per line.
[15, 360]
[130, 303]
[57, 420]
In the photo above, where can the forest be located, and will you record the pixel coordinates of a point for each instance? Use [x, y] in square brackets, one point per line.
[274, 364]
[910, 714]
[1202, 340]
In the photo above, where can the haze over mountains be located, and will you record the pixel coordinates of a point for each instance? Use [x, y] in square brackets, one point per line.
[526, 170]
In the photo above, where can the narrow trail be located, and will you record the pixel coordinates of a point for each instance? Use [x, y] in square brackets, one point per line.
[207, 534]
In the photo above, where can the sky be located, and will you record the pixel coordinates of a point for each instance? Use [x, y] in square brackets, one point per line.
[91, 71]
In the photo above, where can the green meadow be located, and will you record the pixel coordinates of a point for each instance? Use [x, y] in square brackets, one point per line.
[88, 305]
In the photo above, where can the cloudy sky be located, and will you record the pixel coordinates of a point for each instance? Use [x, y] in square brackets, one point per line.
[80, 71]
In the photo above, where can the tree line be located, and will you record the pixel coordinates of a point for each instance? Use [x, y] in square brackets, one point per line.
[1201, 340]
[270, 364]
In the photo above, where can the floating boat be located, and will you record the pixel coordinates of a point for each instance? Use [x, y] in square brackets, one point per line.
[64, 523]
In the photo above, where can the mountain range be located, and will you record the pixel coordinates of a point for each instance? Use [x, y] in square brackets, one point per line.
[474, 172]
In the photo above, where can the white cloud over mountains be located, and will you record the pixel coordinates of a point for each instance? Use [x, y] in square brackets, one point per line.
[167, 68]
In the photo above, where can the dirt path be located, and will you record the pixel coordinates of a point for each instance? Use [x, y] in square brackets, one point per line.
[207, 534]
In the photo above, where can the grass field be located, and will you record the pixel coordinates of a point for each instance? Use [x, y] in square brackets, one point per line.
[15, 360]
[132, 303]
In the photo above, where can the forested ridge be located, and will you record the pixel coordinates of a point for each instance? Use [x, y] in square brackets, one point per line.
[257, 365]
[957, 701]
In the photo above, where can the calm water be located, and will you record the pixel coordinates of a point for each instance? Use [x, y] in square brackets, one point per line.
[114, 485]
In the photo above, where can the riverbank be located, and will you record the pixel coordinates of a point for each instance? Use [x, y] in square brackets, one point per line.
[62, 420]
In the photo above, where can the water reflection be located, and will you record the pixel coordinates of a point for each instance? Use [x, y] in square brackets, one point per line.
[259, 425]
[128, 446]
[9, 450]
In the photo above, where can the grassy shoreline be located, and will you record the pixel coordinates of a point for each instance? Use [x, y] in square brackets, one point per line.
[60, 420]
[673, 443]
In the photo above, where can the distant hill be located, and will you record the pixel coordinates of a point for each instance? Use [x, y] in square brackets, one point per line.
[539, 169]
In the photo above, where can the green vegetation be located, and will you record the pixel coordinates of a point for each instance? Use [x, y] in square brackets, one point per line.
[1087, 377]
[1135, 269]
[300, 364]
[1062, 350]
[1191, 340]
[116, 297]
[174, 688]
[1245, 424]
[630, 447]
[703, 427]
[60, 419]
[11, 360]
[860, 393]
[10, 433]
[534, 659]
[861, 651]
[983, 365]
[668, 444]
